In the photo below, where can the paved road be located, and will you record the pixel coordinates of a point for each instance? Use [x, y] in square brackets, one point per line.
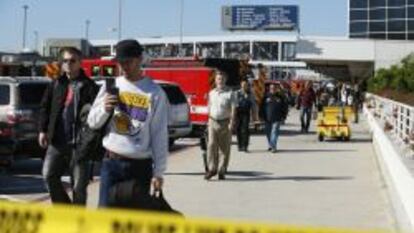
[308, 182]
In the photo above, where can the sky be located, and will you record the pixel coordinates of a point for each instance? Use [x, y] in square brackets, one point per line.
[67, 18]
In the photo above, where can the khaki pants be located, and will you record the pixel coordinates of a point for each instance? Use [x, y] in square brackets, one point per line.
[219, 142]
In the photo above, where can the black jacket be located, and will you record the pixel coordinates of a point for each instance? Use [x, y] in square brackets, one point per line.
[274, 108]
[54, 96]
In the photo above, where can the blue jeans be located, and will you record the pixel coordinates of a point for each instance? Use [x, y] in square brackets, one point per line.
[114, 171]
[57, 162]
[305, 118]
[272, 133]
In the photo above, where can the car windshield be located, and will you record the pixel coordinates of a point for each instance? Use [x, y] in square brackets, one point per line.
[4, 94]
[31, 93]
[174, 94]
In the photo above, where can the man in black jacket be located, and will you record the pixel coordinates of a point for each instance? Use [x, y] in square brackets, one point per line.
[60, 124]
[273, 111]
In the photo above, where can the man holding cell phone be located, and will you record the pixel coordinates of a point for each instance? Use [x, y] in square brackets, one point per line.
[135, 111]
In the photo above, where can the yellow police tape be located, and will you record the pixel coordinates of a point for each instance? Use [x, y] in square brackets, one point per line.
[36, 218]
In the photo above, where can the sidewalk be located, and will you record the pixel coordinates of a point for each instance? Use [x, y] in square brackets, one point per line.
[307, 182]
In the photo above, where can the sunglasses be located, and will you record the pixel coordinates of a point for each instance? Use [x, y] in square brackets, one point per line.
[71, 61]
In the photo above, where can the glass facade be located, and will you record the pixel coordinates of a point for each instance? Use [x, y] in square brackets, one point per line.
[236, 49]
[381, 19]
[209, 50]
[288, 51]
[265, 51]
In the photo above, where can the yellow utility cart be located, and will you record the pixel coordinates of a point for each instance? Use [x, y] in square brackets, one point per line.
[333, 122]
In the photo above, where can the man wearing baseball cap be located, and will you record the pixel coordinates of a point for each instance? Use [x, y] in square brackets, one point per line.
[136, 136]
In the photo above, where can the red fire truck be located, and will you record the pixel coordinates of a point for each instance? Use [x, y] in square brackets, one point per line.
[194, 76]
[196, 79]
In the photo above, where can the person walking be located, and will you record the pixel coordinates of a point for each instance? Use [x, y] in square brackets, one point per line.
[59, 127]
[273, 111]
[305, 103]
[246, 106]
[135, 111]
[221, 111]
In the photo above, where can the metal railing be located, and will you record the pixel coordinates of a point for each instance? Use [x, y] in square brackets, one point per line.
[396, 118]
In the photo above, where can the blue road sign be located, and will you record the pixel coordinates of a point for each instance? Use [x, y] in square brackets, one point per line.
[267, 17]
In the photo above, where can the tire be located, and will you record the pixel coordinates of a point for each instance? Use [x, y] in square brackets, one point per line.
[171, 143]
[347, 138]
[321, 137]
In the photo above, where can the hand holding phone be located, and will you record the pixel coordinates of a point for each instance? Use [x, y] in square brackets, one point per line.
[111, 99]
[111, 87]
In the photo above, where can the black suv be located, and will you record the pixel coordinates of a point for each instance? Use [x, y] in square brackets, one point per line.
[20, 99]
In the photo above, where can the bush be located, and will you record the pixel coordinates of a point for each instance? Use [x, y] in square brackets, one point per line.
[397, 82]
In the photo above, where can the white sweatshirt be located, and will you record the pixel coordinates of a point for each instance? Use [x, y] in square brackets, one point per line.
[138, 128]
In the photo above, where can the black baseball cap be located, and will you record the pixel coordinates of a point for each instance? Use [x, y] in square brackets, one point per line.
[128, 49]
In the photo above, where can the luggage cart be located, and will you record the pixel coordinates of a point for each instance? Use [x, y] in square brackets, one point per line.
[333, 122]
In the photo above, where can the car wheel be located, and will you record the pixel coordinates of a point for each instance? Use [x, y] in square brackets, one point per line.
[321, 137]
[171, 142]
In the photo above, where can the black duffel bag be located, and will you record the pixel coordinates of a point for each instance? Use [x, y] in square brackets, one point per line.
[129, 195]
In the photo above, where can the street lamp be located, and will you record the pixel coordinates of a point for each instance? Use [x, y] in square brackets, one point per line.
[119, 20]
[25, 7]
[180, 47]
[87, 23]
[36, 40]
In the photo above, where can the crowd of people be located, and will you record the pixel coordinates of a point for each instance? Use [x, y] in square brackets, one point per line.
[127, 116]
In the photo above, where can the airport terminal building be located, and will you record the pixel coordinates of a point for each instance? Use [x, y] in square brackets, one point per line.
[381, 19]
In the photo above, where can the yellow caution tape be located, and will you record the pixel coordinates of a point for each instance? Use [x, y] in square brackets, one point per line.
[36, 218]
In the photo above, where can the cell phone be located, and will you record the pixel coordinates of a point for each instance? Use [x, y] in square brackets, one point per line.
[110, 86]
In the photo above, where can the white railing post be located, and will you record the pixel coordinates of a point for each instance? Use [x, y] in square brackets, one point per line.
[397, 119]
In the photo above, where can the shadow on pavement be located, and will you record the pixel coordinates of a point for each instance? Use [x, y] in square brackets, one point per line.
[22, 185]
[24, 177]
[313, 150]
[230, 177]
[232, 173]
[252, 152]
[262, 176]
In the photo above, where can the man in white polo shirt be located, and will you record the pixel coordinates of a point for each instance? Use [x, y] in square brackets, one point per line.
[221, 109]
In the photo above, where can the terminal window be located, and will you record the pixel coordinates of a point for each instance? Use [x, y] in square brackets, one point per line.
[411, 25]
[153, 50]
[187, 50]
[359, 27]
[411, 12]
[288, 51]
[265, 51]
[396, 26]
[359, 3]
[377, 14]
[236, 49]
[397, 36]
[377, 26]
[396, 13]
[377, 35]
[358, 15]
[377, 3]
[209, 50]
[396, 2]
